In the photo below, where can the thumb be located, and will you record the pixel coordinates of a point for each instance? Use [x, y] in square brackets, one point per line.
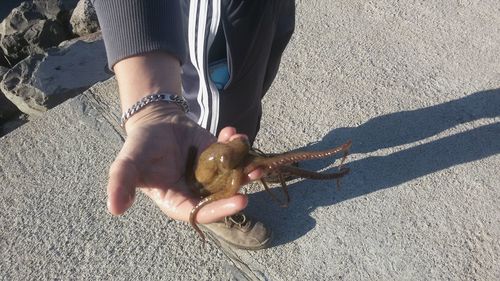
[123, 177]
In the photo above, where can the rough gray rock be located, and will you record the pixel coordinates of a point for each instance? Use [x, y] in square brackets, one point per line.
[34, 26]
[20, 18]
[42, 81]
[14, 47]
[3, 70]
[34, 40]
[56, 9]
[45, 34]
[3, 59]
[84, 18]
[7, 7]
[7, 108]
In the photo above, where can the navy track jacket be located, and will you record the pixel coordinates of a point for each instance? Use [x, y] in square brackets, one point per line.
[250, 35]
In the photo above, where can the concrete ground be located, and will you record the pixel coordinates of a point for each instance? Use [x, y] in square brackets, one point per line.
[415, 85]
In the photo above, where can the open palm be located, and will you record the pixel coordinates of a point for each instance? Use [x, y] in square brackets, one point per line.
[153, 158]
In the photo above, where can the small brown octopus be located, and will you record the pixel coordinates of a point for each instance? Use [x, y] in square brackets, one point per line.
[222, 168]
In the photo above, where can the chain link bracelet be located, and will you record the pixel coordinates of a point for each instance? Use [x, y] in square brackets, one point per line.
[166, 97]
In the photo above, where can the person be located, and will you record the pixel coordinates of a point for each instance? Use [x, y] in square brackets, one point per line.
[221, 56]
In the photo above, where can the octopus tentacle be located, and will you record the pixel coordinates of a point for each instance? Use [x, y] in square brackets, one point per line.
[194, 212]
[272, 163]
[274, 197]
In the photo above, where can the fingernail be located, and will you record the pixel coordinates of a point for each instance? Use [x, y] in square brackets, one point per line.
[255, 175]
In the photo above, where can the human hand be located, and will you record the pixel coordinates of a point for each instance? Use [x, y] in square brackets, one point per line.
[154, 158]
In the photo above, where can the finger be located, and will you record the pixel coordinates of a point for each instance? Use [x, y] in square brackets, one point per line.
[255, 174]
[226, 133]
[238, 136]
[178, 206]
[123, 178]
[219, 209]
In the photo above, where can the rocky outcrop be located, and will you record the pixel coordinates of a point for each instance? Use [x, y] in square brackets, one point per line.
[12, 30]
[34, 26]
[20, 18]
[56, 9]
[84, 19]
[3, 60]
[45, 69]
[7, 7]
[42, 81]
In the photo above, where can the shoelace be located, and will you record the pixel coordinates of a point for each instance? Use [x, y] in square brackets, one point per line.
[236, 219]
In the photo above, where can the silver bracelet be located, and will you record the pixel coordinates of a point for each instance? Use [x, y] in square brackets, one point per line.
[166, 97]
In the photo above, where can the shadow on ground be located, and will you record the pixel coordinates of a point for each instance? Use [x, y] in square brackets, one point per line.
[375, 173]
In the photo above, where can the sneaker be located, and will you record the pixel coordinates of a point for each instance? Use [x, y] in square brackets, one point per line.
[240, 232]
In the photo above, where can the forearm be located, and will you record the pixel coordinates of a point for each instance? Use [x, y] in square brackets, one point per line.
[145, 46]
[146, 74]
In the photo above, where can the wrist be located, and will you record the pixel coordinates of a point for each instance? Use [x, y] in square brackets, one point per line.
[153, 113]
[160, 97]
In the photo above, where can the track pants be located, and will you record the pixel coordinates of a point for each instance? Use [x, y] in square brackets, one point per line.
[250, 36]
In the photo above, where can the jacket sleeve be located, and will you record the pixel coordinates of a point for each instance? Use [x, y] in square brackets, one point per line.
[132, 27]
